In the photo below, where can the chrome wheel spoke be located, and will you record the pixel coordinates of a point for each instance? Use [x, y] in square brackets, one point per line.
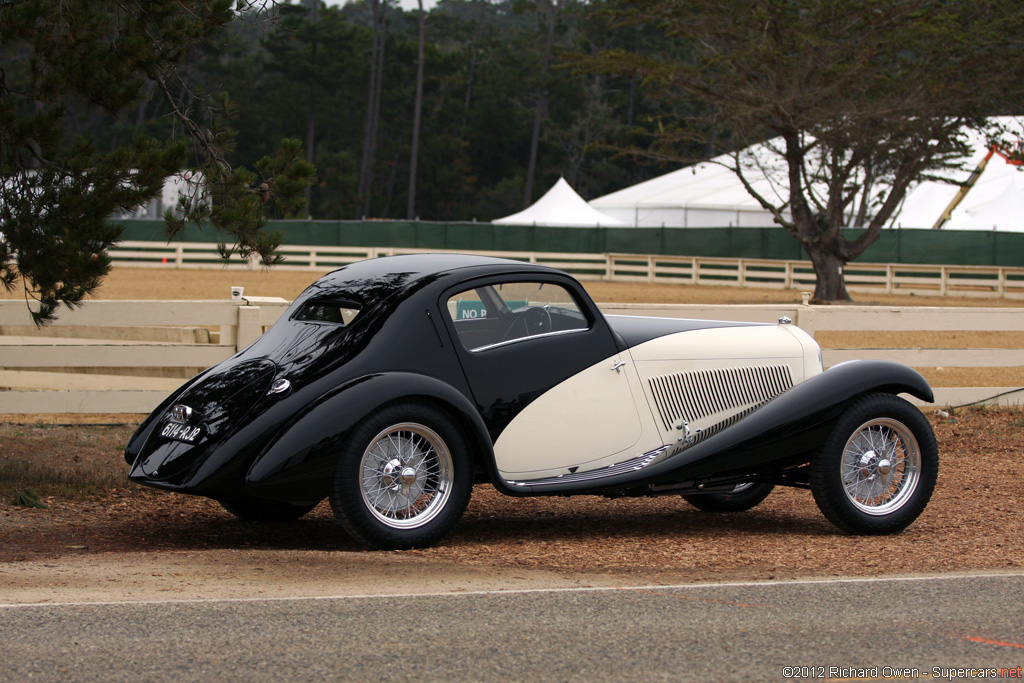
[406, 475]
[880, 466]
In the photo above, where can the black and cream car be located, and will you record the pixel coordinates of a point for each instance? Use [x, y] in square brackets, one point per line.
[391, 386]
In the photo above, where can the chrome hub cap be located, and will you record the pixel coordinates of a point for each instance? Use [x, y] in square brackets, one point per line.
[881, 466]
[406, 475]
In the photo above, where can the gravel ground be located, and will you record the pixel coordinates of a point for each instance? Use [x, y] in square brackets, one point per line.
[972, 524]
[120, 535]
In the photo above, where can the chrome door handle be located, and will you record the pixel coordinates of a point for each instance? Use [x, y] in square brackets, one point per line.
[619, 364]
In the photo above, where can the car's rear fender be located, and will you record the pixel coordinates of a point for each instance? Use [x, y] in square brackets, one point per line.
[299, 464]
[145, 429]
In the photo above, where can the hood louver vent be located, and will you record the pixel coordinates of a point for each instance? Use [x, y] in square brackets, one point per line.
[712, 399]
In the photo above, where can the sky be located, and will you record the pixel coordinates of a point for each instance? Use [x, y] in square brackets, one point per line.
[412, 4]
[405, 4]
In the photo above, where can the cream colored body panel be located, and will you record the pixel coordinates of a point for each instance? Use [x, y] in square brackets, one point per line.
[696, 382]
[588, 421]
[603, 416]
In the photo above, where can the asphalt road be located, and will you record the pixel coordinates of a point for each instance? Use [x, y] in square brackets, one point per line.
[820, 630]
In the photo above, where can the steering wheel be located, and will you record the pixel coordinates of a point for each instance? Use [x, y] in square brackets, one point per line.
[534, 320]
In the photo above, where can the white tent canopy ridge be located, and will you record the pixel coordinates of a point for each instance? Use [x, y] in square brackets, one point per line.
[561, 207]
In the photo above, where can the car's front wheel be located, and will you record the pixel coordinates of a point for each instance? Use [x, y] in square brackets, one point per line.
[742, 498]
[878, 468]
[404, 478]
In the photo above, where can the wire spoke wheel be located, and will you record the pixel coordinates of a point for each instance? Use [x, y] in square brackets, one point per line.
[406, 475]
[877, 469]
[743, 497]
[881, 466]
[403, 478]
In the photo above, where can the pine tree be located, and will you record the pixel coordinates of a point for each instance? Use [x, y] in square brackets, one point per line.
[58, 191]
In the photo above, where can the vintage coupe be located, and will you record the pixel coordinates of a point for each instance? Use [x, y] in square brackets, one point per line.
[391, 386]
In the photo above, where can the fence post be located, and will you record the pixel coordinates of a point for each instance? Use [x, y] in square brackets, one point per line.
[249, 328]
[805, 318]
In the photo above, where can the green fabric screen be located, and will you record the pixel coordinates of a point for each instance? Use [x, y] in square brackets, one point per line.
[974, 248]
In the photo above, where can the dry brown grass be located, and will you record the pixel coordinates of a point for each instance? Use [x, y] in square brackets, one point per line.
[186, 284]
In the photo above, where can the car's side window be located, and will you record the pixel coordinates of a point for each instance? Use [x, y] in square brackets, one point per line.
[494, 314]
[339, 312]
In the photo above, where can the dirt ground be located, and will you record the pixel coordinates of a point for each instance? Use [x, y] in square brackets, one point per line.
[128, 542]
[125, 542]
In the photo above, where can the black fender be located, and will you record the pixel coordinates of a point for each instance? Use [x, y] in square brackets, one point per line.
[145, 429]
[783, 431]
[299, 464]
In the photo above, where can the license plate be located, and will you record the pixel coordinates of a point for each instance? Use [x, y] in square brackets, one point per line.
[181, 432]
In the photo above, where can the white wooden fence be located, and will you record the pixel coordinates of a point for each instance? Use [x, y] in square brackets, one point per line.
[83, 369]
[975, 281]
[79, 364]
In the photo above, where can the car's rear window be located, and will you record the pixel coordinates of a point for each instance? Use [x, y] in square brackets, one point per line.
[320, 311]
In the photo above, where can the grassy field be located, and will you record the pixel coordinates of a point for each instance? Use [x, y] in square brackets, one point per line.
[172, 283]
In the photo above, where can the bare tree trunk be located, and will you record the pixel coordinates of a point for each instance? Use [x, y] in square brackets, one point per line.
[410, 212]
[471, 75]
[542, 102]
[140, 114]
[311, 115]
[377, 8]
[831, 284]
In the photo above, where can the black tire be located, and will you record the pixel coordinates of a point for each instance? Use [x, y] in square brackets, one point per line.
[403, 478]
[740, 499]
[266, 510]
[878, 468]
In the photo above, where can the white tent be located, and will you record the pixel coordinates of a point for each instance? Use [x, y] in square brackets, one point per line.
[995, 202]
[710, 195]
[707, 195]
[561, 207]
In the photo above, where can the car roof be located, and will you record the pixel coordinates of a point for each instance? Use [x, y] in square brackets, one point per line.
[416, 266]
[389, 274]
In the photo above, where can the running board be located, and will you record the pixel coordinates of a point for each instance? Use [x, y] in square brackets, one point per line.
[624, 467]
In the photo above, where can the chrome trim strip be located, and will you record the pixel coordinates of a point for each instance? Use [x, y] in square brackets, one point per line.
[631, 465]
[531, 336]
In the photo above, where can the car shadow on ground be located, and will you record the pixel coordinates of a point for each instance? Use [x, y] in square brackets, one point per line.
[520, 523]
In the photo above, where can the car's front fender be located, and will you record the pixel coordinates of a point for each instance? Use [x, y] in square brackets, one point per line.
[299, 464]
[779, 433]
[797, 421]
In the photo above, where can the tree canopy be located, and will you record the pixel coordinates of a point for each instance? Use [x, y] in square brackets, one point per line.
[69, 72]
[850, 100]
[99, 101]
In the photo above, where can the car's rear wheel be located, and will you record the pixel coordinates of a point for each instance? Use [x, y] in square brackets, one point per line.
[266, 510]
[404, 478]
[878, 468]
[741, 498]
